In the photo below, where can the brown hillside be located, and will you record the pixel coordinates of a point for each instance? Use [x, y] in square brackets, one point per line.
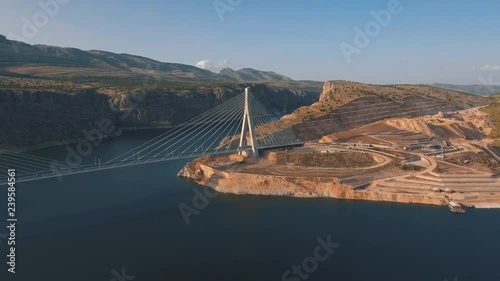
[344, 105]
[493, 111]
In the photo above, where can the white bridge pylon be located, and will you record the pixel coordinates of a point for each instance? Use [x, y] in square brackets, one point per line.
[248, 127]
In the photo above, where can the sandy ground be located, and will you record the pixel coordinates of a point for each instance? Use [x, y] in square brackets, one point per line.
[464, 170]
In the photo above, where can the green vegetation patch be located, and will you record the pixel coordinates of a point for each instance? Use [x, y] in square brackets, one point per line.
[409, 167]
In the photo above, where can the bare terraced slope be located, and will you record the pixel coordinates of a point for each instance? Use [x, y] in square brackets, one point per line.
[493, 111]
[344, 105]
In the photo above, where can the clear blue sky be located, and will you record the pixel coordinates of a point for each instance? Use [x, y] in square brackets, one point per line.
[448, 41]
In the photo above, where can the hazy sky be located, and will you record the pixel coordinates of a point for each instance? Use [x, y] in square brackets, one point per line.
[425, 41]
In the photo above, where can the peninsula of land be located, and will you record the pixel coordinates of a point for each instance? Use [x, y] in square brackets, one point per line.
[405, 144]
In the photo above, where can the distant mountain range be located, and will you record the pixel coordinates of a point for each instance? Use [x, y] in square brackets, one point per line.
[38, 61]
[18, 59]
[471, 89]
[249, 74]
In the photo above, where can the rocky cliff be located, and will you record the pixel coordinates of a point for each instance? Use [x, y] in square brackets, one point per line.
[37, 118]
[345, 91]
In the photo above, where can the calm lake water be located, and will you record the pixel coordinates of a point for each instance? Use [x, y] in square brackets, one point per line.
[90, 227]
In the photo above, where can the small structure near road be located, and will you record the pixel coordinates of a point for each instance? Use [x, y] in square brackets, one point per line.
[422, 146]
[361, 145]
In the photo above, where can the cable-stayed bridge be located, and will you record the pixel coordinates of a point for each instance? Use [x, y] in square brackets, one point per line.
[242, 124]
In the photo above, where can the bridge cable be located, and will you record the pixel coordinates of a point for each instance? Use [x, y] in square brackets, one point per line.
[192, 122]
[219, 115]
[232, 112]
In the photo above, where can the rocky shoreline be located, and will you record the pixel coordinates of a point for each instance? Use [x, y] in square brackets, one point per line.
[272, 185]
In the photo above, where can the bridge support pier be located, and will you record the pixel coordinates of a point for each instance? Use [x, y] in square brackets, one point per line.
[248, 127]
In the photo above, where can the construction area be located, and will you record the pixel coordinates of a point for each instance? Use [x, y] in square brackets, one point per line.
[436, 159]
[372, 143]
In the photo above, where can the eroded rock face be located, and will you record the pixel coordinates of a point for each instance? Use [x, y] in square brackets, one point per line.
[344, 91]
[333, 88]
[196, 174]
[31, 118]
[254, 184]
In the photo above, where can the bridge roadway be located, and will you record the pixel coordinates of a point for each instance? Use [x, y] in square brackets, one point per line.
[69, 170]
